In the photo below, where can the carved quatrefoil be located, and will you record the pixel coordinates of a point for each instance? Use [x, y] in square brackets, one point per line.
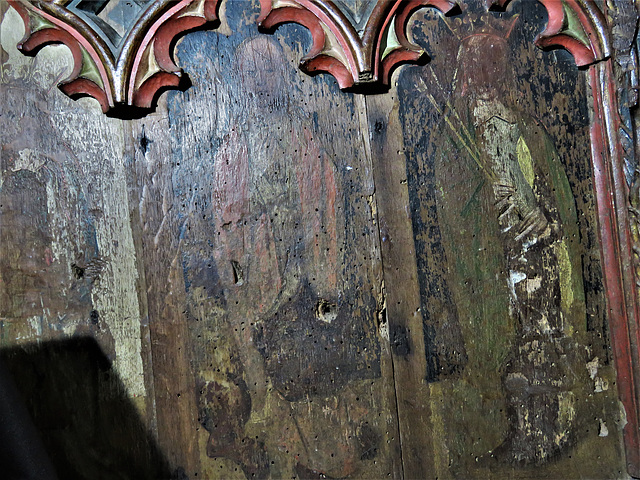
[122, 49]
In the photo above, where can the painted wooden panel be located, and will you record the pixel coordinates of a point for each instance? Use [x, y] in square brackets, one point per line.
[268, 277]
[71, 326]
[499, 181]
[261, 257]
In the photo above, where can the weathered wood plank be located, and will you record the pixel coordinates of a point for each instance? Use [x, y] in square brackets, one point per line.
[259, 209]
[162, 286]
[68, 301]
[402, 295]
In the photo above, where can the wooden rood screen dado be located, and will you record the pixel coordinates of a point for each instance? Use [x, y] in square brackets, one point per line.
[419, 272]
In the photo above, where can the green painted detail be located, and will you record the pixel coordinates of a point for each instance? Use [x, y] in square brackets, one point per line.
[39, 23]
[525, 161]
[390, 41]
[467, 208]
[90, 69]
[568, 216]
[565, 273]
[573, 27]
[566, 415]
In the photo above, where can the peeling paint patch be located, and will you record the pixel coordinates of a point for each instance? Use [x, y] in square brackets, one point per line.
[28, 159]
[604, 431]
[601, 385]
[515, 278]
[592, 367]
[533, 284]
[384, 332]
[565, 274]
[566, 415]
[545, 327]
[35, 324]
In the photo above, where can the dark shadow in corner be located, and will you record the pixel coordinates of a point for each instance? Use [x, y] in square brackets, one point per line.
[89, 427]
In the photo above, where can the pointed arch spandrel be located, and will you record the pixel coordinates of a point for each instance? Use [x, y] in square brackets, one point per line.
[124, 72]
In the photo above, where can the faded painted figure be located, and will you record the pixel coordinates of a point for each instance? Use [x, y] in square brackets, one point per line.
[293, 331]
[45, 282]
[508, 215]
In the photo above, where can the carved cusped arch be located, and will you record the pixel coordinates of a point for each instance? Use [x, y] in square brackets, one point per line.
[359, 44]
[578, 26]
[122, 51]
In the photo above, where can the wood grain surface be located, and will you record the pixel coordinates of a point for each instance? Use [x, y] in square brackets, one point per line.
[268, 277]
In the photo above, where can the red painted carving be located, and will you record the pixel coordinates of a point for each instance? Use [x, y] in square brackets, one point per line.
[121, 74]
[612, 198]
[580, 27]
[575, 25]
[355, 55]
